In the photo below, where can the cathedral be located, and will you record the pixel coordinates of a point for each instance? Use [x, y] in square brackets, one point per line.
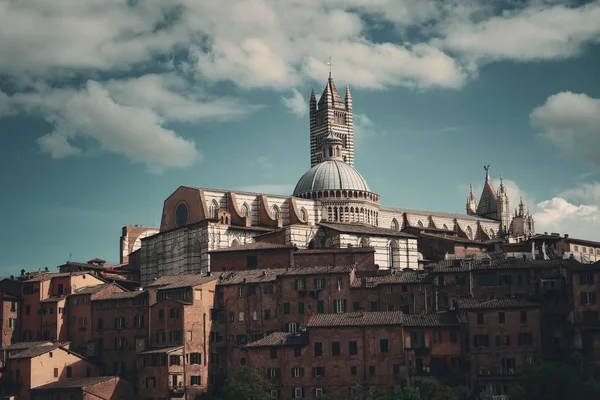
[332, 206]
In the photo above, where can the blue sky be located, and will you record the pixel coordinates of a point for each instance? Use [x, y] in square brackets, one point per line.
[108, 106]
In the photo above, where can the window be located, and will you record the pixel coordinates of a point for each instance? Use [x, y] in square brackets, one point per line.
[267, 315]
[293, 327]
[12, 322]
[353, 370]
[254, 316]
[453, 336]
[320, 283]
[586, 278]
[480, 341]
[13, 305]
[390, 289]
[339, 306]
[240, 291]
[503, 340]
[56, 372]
[195, 380]
[383, 346]
[479, 318]
[318, 372]
[174, 313]
[195, 358]
[525, 339]
[241, 340]
[318, 349]
[175, 336]
[119, 322]
[298, 372]
[320, 307]
[588, 298]
[273, 373]
[437, 336]
[150, 382]
[374, 306]
[252, 290]
[298, 392]
[319, 392]
[27, 310]
[273, 353]
[297, 351]
[274, 394]
[174, 360]
[301, 307]
[523, 316]
[119, 342]
[286, 308]
[501, 317]
[353, 347]
[161, 337]
[181, 214]
[300, 284]
[161, 314]
[268, 289]
[335, 348]
[138, 321]
[356, 306]
[241, 316]
[69, 372]
[372, 370]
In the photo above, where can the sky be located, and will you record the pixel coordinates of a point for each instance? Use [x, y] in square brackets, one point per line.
[107, 106]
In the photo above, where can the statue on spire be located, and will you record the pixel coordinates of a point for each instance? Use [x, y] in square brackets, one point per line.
[330, 64]
[487, 172]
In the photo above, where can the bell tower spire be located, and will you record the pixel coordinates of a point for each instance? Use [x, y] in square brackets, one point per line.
[331, 113]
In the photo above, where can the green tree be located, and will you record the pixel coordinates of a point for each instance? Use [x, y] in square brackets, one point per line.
[556, 381]
[247, 384]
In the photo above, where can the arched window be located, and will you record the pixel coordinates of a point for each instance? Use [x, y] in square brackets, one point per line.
[303, 215]
[394, 255]
[235, 243]
[181, 214]
[445, 227]
[329, 243]
[275, 212]
[469, 233]
[420, 224]
[394, 225]
[492, 234]
[364, 242]
[245, 210]
[213, 210]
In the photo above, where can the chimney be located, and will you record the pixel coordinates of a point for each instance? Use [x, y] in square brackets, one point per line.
[566, 236]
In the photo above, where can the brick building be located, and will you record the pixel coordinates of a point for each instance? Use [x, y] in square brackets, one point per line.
[10, 306]
[503, 335]
[119, 326]
[371, 349]
[92, 388]
[31, 366]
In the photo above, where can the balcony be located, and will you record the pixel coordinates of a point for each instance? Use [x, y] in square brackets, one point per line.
[178, 388]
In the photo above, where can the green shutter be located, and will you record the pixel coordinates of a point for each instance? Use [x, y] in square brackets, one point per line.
[320, 307]
[301, 308]
[286, 308]
[356, 306]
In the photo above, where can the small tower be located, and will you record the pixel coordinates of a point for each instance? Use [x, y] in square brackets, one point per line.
[471, 202]
[332, 147]
[503, 207]
[331, 113]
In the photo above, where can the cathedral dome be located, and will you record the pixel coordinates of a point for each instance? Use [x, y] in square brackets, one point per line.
[331, 174]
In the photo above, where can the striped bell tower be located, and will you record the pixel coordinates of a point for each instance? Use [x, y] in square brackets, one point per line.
[332, 113]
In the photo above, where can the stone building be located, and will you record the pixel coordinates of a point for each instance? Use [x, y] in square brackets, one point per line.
[332, 206]
[92, 388]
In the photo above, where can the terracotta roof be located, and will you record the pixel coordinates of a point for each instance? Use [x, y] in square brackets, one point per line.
[27, 345]
[494, 303]
[262, 246]
[162, 350]
[396, 278]
[356, 319]
[457, 239]
[250, 276]
[45, 276]
[122, 295]
[54, 299]
[495, 263]
[364, 229]
[447, 318]
[35, 351]
[183, 281]
[318, 270]
[72, 383]
[280, 339]
[337, 250]
[92, 289]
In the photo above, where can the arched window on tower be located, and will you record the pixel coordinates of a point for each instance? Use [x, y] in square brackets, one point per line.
[394, 225]
[445, 227]
[420, 224]
[394, 255]
[213, 210]
[244, 210]
[364, 242]
[235, 243]
[275, 212]
[303, 215]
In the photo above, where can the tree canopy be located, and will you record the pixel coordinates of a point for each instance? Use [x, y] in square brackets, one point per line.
[247, 384]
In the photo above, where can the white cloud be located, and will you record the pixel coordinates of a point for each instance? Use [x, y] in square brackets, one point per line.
[5, 106]
[364, 129]
[571, 122]
[537, 32]
[296, 103]
[132, 131]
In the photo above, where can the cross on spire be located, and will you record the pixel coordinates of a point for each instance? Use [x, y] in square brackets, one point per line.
[330, 65]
